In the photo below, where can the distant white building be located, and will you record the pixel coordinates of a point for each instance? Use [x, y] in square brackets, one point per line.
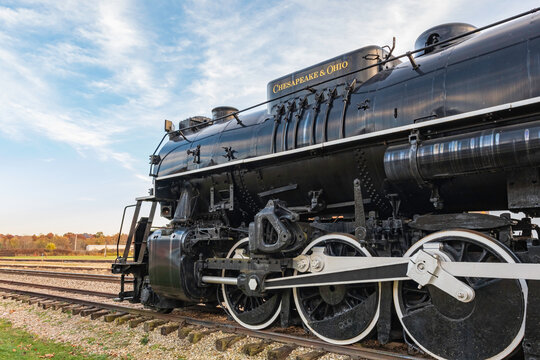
[102, 247]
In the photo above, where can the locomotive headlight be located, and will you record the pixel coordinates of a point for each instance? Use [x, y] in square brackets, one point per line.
[169, 126]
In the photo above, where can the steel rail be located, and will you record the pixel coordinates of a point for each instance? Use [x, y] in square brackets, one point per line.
[62, 289]
[57, 266]
[65, 275]
[60, 260]
[350, 350]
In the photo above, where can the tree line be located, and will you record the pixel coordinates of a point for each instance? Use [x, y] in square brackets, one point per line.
[50, 241]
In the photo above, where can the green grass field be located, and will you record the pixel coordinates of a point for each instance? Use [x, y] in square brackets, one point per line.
[16, 344]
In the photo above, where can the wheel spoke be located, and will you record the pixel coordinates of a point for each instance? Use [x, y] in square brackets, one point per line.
[326, 308]
[322, 308]
[311, 296]
[430, 307]
[418, 306]
[341, 249]
[359, 298]
[316, 307]
[483, 256]
[241, 305]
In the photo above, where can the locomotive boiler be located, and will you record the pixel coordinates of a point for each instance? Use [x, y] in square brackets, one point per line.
[356, 202]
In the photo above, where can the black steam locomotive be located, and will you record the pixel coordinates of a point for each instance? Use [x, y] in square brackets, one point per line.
[364, 183]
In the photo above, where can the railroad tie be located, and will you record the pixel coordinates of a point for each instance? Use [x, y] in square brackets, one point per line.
[88, 311]
[135, 322]
[312, 355]
[255, 348]
[167, 329]
[184, 331]
[77, 309]
[50, 305]
[98, 314]
[59, 306]
[33, 300]
[123, 319]
[69, 308]
[280, 353]
[113, 316]
[228, 341]
[42, 303]
[196, 336]
[151, 325]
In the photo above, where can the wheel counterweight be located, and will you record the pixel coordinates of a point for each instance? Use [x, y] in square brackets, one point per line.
[490, 326]
[340, 314]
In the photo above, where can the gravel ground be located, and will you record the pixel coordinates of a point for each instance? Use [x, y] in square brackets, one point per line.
[122, 342]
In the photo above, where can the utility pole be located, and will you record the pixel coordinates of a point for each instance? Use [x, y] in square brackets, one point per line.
[75, 246]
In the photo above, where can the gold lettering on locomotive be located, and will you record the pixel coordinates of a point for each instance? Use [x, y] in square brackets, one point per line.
[311, 76]
[336, 67]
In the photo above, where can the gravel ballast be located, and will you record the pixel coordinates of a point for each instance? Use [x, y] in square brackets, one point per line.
[120, 341]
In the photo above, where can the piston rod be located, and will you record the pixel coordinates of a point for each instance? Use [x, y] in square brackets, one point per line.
[220, 280]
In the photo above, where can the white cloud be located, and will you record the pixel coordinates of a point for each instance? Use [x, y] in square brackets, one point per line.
[245, 47]
[11, 18]
[34, 103]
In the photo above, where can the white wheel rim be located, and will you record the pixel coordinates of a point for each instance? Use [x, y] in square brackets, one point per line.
[491, 245]
[352, 241]
[251, 327]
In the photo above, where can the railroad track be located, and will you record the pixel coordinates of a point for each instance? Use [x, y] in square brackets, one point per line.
[93, 261]
[52, 267]
[61, 289]
[65, 275]
[185, 325]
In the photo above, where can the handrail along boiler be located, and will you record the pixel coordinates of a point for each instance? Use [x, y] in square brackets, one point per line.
[364, 183]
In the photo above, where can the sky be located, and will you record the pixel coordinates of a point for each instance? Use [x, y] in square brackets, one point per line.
[85, 85]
